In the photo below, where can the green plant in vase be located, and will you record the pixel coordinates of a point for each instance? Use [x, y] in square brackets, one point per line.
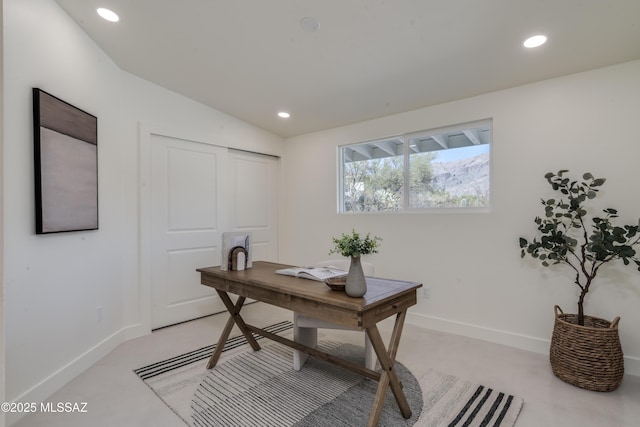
[585, 350]
[354, 246]
[567, 237]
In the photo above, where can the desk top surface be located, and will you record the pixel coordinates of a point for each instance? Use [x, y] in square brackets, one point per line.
[262, 275]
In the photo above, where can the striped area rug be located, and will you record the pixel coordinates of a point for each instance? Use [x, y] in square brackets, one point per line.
[260, 389]
[450, 401]
[250, 388]
[204, 353]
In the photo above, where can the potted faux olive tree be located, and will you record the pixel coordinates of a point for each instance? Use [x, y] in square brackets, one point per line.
[585, 350]
[353, 246]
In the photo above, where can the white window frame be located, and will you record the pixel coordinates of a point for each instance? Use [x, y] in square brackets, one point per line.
[487, 129]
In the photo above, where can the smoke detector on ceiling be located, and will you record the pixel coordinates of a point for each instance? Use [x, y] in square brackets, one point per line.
[309, 24]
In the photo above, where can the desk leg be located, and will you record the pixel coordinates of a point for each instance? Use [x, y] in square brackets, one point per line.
[388, 378]
[234, 319]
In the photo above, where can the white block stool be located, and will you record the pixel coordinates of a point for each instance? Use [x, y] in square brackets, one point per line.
[305, 328]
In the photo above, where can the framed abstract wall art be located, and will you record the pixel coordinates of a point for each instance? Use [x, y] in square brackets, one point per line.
[66, 165]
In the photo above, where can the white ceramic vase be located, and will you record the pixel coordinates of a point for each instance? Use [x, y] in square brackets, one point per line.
[356, 282]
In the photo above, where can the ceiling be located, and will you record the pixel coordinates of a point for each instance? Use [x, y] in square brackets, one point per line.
[368, 58]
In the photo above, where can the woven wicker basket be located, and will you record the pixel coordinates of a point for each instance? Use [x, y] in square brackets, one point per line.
[588, 356]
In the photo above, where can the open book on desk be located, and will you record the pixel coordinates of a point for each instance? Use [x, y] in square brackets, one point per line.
[319, 274]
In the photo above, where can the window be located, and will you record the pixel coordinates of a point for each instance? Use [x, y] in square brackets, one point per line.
[440, 168]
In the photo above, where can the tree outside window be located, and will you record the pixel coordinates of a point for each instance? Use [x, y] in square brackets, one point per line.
[445, 168]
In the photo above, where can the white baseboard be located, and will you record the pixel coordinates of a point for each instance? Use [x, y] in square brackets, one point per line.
[45, 388]
[523, 342]
[41, 391]
[135, 331]
[632, 365]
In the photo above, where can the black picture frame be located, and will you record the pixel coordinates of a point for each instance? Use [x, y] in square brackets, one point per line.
[66, 165]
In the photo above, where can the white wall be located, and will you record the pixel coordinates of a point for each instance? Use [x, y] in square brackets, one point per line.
[147, 104]
[479, 286]
[54, 283]
[471, 262]
[2, 370]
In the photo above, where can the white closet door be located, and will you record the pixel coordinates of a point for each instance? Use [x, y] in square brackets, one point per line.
[253, 181]
[188, 207]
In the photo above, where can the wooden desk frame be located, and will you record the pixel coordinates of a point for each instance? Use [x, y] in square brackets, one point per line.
[384, 299]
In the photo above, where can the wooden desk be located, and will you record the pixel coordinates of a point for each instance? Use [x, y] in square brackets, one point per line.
[383, 299]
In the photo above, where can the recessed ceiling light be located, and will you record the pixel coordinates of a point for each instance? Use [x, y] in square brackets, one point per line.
[107, 14]
[284, 115]
[535, 41]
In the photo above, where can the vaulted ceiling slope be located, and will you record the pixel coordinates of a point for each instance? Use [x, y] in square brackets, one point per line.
[355, 59]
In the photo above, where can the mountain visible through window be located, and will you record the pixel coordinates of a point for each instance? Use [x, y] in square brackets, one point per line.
[442, 168]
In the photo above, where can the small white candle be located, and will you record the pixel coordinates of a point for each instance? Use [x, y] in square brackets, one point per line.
[240, 261]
